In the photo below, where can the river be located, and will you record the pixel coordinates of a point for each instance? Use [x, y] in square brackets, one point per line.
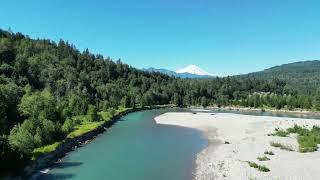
[135, 148]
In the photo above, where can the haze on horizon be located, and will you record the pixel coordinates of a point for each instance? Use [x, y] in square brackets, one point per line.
[221, 37]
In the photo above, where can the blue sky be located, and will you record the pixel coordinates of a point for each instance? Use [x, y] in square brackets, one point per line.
[223, 37]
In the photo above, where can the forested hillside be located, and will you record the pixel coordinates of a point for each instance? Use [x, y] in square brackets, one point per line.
[47, 89]
[301, 76]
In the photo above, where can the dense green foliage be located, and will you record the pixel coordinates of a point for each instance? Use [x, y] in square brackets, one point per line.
[50, 91]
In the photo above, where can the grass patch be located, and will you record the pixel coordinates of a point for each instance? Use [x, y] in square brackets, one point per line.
[261, 168]
[280, 132]
[308, 139]
[122, 109]
[298, 130]
[268, 152]
[253, 164]
[107, 115]
[281, 146]
[308, 143]
[83, 128]
[263, 158]
[87, 126]
[44, 150]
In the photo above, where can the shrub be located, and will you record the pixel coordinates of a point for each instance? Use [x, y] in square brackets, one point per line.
[268, 152]
[261, 168]
[21, 138]
[112, 111]
[253, 164]
[308, 140]
[308, 143]
[92, 113]
[298, 129]
[31, 134]
[281, 146]
[68, 125]
[263, 158]
[280, 132]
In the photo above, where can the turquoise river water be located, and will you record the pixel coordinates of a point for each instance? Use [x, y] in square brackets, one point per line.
[135, 148]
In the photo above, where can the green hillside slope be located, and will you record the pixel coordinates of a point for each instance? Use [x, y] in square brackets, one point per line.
[302, 76]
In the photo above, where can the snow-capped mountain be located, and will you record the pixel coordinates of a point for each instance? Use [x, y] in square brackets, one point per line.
[193, 69]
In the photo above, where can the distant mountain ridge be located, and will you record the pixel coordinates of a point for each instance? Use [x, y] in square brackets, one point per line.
[302, 76]
[191, 71]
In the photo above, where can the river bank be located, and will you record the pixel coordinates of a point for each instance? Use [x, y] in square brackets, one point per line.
[42, 163]
[236, 139]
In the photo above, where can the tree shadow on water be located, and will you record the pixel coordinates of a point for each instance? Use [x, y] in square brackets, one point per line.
[58, 176]
[67, 164]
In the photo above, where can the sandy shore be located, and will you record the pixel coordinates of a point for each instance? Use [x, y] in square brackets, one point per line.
[298, 112]
[248, 137]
